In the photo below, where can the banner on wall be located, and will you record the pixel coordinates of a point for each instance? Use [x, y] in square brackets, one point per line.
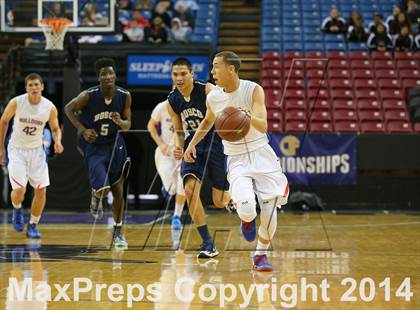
[316, 159]
[156, 69]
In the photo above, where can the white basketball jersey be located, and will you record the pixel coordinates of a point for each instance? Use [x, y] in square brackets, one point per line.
[218, 99]
[160, 114]
[29, 122]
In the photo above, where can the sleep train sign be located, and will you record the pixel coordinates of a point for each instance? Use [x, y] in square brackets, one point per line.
[317, 159]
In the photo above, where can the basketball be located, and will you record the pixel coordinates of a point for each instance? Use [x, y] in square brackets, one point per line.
[232, 124]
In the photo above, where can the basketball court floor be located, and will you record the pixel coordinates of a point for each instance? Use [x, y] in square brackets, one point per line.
[321, 261]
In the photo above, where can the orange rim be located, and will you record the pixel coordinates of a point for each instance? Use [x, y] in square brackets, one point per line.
[56, 24]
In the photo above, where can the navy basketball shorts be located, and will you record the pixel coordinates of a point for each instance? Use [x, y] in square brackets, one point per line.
[105, 167]
[208, 164]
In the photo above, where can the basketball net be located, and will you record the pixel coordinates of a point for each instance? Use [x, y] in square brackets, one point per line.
[55, 30]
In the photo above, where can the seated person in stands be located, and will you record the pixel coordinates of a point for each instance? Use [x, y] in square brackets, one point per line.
[381, 40]
[156, 33]
[334, 23]
[184, 14]
[394, 16]
[398, 23]
[134, 29]
[143, 5]
[404, 41]
[125, 5]
[91, 16]
[178, 32]
[378, 19]
[162, 10]
[413, 12]
[351, 21]
[358, 32]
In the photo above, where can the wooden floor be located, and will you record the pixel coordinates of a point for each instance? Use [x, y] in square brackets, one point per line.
[312, 247]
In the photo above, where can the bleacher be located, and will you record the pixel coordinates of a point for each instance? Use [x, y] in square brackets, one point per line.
[319, 83]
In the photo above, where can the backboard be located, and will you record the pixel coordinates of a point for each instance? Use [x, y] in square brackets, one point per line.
[87, 16]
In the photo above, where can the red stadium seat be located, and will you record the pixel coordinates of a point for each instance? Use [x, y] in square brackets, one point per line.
[295, 104]
[295, 126]
[393, 104]
[293, 63]
[272, 56]
[361, 64]
[364, 84]
[294, 94]
[293, 74]
[338, 73]
[374, 127]
[389, 84]
[341, 64]
[346, 126]
[342, 94]
[271, 83]
[336, 55]
[316, 74]
[393, 115]
[272, 97]
[319, 94]
[410, 83]
[384, 64]
[295, 115]
[320, 116]
[343, 104]
[318, 83]
[271, 73]
[409, 73]
[345, 115]
[366, 94]
[386, 74]
[340, 83]
[369, 115]
[294, 83]
[359, 55]
[272, 64]
[275, 126]
[381, 55]
[399, 127]
[320, 127]
[404, 55]
[314, 54]
[417, 127]
[407, 64]
[320, 105]
[391, 94]
[316, 64]
[274, 114]
[369, 104]
[362, 74]
[291, 55]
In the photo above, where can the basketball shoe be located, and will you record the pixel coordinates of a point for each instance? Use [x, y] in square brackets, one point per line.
[249, 230]
[261, 263]
[176, 222]
[118, 238]
[208, 250]
[17, 219]
[32, 232]
[96, 207]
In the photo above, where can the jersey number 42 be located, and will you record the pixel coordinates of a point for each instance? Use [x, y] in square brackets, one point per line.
[30, 131]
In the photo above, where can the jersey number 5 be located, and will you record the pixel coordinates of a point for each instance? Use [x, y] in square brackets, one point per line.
[29, 130]
[104, 129]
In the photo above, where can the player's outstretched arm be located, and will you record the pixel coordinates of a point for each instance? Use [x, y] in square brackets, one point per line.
[56, 131]
[258, 111]
[75, 105]
[205, 125]
[7, 115]
[125, 122]
[179, 132]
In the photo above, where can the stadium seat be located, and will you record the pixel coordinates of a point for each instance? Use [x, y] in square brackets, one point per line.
[393, 104]
[272, 64]
[271, 73]
[363, 74]
[316, 64]
[409, 73]
[375, 55]
[341, 64]
[273, 114]
[314, 54]
[343, 104]
[296, 64]
[344, 115]
[346, 126]
[293, 74]
[365, 84]
[370, 115]
[295, 115]
[294, 94]
[388, 84]
[361, 64]
[391, 94]
[404, 55]
[318, 83]
[291, 55]
[296, 126]
[315, 74]
[290, 104]
[320, 116]
[372, 127]
[399, 127]
[338, 73]
[320, 104]
[384, 64]
[366, 94]
[410, 83]
[271, 83]
[386, 74]
[275, 126]
[342, 94]
[359, 55]
[407, 64]
[294, 83]
[321, 127]
[336, 55]
[369, 104]
[319, 94]
[272, 56]
[393, 115]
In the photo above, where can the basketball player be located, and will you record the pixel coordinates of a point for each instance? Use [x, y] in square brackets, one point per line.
[105, 109]
[167, 167]
[187, 107]
[27, 157]
[253, 167]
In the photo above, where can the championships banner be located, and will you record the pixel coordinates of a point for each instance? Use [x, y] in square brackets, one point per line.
[317, 159]
[156, 69]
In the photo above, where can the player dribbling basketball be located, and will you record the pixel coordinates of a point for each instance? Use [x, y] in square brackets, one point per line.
[253, 167]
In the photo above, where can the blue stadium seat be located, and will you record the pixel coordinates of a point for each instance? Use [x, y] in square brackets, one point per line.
[314, 46]
[271, 46]
[338, 46]
[310, 37]
[356, 46]
[334, 38]
[293, 46]
[271, 30]
[271, 22]
[291, 22]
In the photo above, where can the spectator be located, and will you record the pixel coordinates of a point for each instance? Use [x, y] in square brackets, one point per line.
[161, 10]
[178, 32]
[185, 15]
[404, 41]
[413, 13]
[398, 23]
[381, 40]
[134, 29]
[125, 5]
[395, 11]
[358, 32]
[156, 33]
[90, 16]
[143, 5]
[351, 21]
[334, 23]
[378, 19]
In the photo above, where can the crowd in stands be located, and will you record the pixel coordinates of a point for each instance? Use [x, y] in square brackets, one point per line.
[400, 31]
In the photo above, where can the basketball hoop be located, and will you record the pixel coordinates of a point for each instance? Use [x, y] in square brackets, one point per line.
[54, 30]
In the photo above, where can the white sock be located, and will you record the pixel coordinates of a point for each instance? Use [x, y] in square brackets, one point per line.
[17, 206]
[34, 219]
[118, 224]
[178, 209]
[261, 248]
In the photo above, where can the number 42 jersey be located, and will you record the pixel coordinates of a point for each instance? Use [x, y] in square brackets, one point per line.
[29, 122]
[97, 113]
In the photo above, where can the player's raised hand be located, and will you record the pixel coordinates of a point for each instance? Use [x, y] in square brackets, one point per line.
[116, 118]
[90, 135]
[190, 154]
[58, 148]
[178, 152]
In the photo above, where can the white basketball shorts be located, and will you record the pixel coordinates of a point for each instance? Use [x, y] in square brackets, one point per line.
[27, 165]
[170, 173]
[257, 172]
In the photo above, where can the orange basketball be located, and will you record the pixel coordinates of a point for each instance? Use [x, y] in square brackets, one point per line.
[232, 124]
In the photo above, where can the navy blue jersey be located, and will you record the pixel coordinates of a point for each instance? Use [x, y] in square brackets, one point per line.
[96, 115]
[192, 112]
